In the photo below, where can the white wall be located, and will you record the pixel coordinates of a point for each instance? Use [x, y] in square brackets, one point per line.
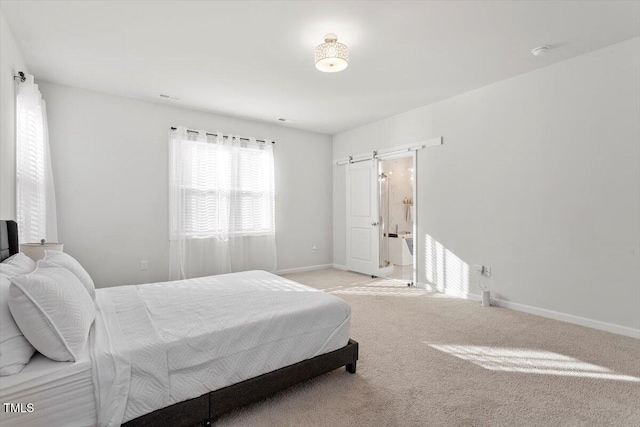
[11, 62]
[110, 169]
[538, 177]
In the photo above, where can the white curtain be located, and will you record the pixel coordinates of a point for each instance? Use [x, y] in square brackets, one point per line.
[35, 196]
[221, 205]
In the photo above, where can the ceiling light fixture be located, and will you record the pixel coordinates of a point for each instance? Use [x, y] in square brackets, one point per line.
[331, 56]
[540, 50]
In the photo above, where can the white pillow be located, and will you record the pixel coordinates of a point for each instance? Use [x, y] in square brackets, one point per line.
[17, 264]
[15, 350]
[53, 310]
[70, 263]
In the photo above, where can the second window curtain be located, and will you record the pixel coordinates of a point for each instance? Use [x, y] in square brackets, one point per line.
[221, 205]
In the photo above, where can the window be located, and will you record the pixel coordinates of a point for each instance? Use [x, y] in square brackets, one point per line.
[35, 197]
[225, 187]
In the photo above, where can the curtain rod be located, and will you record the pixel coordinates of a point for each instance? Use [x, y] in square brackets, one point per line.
[224, 136]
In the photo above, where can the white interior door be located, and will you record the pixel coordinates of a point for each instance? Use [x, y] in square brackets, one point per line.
[362, 217]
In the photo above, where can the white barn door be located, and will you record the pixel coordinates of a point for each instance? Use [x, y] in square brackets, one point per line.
[362, 217]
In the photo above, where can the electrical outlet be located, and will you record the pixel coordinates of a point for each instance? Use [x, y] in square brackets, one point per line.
[484, 270]
[144, 264]
[314, 248]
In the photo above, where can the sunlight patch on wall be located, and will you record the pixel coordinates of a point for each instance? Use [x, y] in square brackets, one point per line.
[445, 271]
[527, 361]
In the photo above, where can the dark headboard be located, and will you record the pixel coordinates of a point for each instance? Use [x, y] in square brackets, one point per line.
[8, 239]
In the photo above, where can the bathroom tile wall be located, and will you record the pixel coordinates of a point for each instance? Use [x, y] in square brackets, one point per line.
[400, 173]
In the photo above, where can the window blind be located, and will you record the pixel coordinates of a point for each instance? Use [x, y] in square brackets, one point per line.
[227, 189]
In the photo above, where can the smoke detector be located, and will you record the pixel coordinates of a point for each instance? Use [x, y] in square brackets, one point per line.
[540, 50]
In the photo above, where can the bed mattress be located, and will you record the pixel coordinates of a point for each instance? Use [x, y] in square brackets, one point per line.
[163, 343]
[62, 393]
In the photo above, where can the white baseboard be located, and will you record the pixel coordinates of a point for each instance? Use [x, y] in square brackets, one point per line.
[556, 315]
[570, 318]
[303, 269]
[340, 267]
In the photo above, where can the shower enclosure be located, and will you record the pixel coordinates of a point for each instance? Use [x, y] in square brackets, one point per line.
[383, 202]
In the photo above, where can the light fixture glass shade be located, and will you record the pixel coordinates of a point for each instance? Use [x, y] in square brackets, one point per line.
[331, 56]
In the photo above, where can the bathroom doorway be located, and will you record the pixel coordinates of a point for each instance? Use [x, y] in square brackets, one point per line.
[381, 205]
[397, 207]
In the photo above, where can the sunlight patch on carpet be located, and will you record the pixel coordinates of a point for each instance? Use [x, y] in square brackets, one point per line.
[383, 287]
[529, 361]
[394, 292]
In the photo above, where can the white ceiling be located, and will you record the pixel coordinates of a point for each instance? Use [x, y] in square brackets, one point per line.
[255, 59]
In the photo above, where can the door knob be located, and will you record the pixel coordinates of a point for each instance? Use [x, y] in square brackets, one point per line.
[375, 223]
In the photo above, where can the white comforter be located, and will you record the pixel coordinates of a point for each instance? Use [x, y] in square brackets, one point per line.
[157, 344]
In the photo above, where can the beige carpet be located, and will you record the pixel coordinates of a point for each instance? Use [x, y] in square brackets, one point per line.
[429, 360]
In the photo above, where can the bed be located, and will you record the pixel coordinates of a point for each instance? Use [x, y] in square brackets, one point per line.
[183, 353]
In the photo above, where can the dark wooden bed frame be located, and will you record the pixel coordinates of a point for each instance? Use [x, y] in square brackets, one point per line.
[203, 410]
